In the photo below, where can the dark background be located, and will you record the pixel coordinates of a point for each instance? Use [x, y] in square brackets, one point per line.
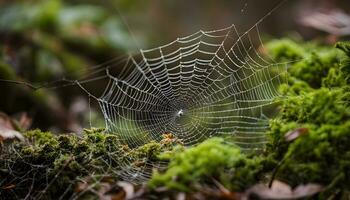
[45, 43]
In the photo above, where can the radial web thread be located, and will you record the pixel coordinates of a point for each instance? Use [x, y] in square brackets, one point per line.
[210, 83]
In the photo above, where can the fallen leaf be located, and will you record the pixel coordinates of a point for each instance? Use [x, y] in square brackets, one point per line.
[217, 192]
[181, 196]
[18, 122]
[8, 134]
[310, 189]
[7, 130]
[107, 188]
[24, 121]
[128, 189]
[296, 133]
[281, 190]
[334, 21]
[6, 121]
[81, 186]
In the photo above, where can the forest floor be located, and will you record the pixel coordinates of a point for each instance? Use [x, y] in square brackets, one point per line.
[307, 155]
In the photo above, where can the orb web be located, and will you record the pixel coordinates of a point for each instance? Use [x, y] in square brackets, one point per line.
[211, 83]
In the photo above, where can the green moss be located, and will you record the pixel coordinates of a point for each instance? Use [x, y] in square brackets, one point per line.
[318, 100]
[212, 158]
[150, 150]
[319, 157]
[314, 64]
[344, 46]
[285, 50]
[66, 159]
[319, 107]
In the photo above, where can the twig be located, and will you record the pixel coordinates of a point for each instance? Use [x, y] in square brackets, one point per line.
[274, 173]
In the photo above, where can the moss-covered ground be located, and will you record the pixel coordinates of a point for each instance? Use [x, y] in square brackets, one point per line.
[308, 143]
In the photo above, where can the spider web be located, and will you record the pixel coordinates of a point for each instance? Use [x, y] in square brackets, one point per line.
[217, 83]
[211, 83]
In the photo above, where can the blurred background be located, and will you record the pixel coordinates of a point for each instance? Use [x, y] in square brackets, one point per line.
[46, 43]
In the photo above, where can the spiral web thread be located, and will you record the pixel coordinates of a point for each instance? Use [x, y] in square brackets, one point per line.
[211, 83]
[208, 84]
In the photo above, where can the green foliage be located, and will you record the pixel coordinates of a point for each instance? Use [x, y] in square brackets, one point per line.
[344, 46]
[210, 159]
[319, 107]
[316, 65]
[325, 147]
[285, 50]
[317, 100]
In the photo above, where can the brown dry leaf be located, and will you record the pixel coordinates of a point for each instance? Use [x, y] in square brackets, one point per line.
[334, 21]
[81, 186]
[105, 192]
[6, 121]
[128, 189]
[281, 190]
[118, 196]
[7, 130]
[209, 192]
[310, 189]
[296, 133]
[8, 134]
[9, 126]
[108, 189]
[24, 121]
[181, 196]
